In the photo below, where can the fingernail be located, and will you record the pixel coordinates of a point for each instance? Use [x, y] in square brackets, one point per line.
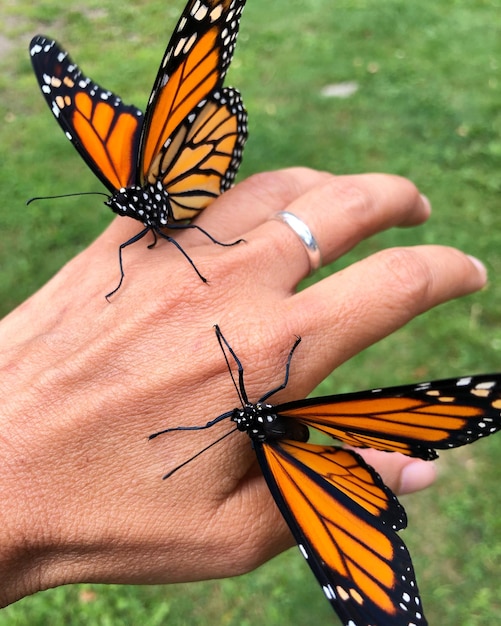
[425, 200]
[479, 265]
[416, 476]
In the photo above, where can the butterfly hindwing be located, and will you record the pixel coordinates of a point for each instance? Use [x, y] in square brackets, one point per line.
[344, 520]
[346, 471]
[200, 160]
[413, 419]
[103, 129]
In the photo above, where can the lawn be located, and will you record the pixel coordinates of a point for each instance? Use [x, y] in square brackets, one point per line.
[427, 106]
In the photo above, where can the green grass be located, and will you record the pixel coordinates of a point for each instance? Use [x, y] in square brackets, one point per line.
[428, 107]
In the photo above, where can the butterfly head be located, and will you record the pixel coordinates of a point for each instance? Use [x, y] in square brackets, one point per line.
[262, 423]
[149, 204]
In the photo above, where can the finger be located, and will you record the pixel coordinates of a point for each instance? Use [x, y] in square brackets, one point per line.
[340, 213]
[379, 295]
[256, 198]
[259, 197]
[230, 216]
[402, 474]
[343, 209]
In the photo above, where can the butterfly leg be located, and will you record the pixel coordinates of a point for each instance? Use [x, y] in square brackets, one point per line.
[207, 234]
[287, 370]
[218, 419]
[154, 242]
[181, 249]
[137, 237]
[241, 387]
[221, 339]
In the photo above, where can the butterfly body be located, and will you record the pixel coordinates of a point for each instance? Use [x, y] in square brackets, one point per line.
[263, 424]
[164, 166]
[148, 204]
[343, 517]
[152, 202]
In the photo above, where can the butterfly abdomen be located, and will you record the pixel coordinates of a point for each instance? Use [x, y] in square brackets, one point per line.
[262, 424]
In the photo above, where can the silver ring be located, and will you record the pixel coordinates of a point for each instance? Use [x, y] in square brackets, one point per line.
[305, 235]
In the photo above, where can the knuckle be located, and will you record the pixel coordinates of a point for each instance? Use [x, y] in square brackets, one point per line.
[283, 185]
[259, 180]
[362, 201]
[356, 201]
[409, 274]
[346, 189]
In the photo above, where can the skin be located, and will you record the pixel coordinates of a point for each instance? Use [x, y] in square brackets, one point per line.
[84, 382]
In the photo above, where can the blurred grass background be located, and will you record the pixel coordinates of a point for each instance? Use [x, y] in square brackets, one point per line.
[427, 106]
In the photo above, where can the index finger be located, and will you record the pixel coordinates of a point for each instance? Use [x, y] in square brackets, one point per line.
[313, 196]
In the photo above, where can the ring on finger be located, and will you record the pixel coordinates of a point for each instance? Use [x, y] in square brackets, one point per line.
[305, 236]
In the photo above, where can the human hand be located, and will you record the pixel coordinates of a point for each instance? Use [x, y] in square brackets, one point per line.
[85, 382]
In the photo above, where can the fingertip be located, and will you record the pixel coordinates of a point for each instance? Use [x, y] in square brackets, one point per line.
[419, 213]
[426, 206]
[482, 270]
[416, 475]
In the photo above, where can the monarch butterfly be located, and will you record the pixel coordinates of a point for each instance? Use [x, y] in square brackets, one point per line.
[162, 168]
[340, 512]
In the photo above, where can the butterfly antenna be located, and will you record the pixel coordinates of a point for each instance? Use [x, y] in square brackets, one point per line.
[68, 195]
[130, 241]
[198, 453]
[287, 371]
[240, 388]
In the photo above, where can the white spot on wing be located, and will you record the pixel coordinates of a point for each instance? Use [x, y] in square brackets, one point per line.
[303, 550]
[200, 13]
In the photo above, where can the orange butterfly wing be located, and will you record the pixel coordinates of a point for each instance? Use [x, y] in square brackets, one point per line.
[192, 72]
[201, 157]
[122, 149]
[103, 129]
[414, 420]
[344, 520]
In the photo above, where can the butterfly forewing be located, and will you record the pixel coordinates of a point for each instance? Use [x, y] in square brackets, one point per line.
[344, 521]
[103, 129]
[194, 66]
[413, 419]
